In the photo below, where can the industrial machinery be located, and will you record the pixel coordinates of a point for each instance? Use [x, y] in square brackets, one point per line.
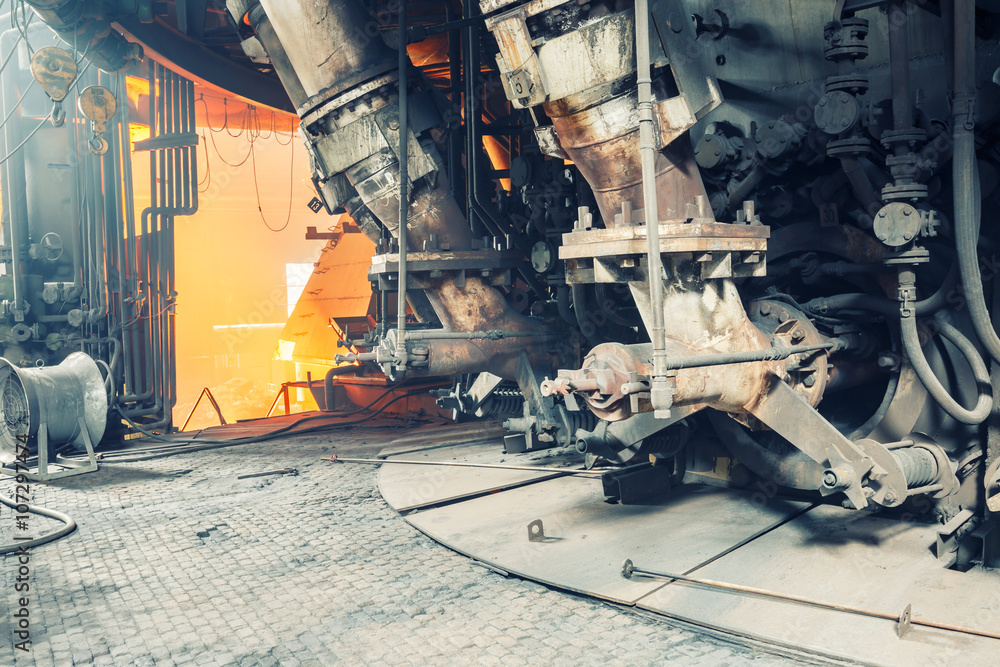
[743, 239]
[87, 273]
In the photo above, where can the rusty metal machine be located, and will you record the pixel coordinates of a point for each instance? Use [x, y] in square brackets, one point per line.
[743, 241]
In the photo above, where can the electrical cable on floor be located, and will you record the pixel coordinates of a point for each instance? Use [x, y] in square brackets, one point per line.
[192, 441]
[44, 539]
[190, 445]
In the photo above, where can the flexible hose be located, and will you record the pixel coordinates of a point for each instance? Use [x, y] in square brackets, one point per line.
[884, 305]
[38, 541]
[911, 343]
[965, 176]
[328, 383]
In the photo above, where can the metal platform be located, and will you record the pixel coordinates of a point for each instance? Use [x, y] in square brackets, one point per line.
[820, 552]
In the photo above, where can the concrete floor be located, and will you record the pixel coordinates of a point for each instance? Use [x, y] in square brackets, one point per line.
[177, 562]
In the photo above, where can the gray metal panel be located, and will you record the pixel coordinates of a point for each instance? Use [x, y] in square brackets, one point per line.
[844, 557]
[587, 538]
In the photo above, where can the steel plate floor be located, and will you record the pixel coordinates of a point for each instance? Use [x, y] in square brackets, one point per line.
[822, 552]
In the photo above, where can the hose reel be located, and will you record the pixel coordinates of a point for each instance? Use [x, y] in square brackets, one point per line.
[44, 408]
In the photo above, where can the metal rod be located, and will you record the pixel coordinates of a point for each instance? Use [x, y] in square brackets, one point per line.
[459, 464]
[282, 471]
[628, 569]
[654, 261]
[493, 334]
[455, 82]
[404, 176]
[930, 488]
[215, 405]
[767, 354]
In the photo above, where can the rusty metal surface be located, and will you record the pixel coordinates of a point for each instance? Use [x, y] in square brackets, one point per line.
[587, 539]
[846, 558]
[674, 237]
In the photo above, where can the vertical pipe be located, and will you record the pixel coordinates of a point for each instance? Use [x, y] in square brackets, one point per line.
[647, 148]
[471, 70]
[455, 79]
[404, 177]
[899, 64]
[15, 201]
[948, 32]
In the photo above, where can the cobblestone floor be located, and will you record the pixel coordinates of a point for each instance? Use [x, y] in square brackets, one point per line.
[177, 562]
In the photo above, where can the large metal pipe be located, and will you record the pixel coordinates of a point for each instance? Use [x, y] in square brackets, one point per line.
[899, 62]
[15, 204]
[333, 47]
[279, 59]
[404, 181]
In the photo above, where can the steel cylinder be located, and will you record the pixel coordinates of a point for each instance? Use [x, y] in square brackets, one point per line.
[332, 45]
[261, 24]
[56, 396]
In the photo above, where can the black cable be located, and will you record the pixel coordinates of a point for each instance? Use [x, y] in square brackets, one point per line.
[207, 181]
[291, 189]
[249, 440]
[291, 132]
[212, 132]
[225, 123]
[208, 123]
[219, 154]
[334, 413]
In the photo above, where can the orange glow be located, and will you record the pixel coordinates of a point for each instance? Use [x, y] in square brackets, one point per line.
[499, 157]
[135, 88]
[137, 132]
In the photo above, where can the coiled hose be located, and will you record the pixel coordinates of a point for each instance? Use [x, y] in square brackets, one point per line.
[911, 343]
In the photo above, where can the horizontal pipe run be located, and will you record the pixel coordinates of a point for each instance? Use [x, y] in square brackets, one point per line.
[776, 353]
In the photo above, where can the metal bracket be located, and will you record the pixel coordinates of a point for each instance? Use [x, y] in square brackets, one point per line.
[791, 417]
[904, 625]
[536, 533]
[675, 29]
[41, 472]
[521, 77]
